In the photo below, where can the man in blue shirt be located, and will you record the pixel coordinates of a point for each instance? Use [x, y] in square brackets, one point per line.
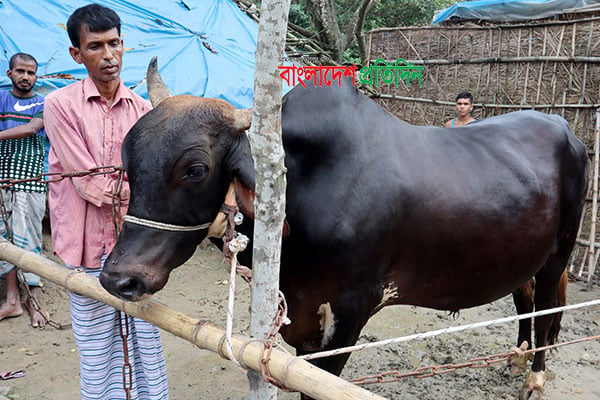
[22, 148]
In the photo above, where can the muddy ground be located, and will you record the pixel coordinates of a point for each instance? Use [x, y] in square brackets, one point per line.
[50, 360]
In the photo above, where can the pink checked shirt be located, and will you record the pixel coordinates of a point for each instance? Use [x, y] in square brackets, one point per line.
[85, 132]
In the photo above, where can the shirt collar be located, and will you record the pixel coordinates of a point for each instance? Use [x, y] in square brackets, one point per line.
[91, 91]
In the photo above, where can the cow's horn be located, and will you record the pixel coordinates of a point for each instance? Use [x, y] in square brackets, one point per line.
[242, 119]
[157, 90]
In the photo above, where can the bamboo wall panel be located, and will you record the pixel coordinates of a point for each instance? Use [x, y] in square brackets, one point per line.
[552, 67]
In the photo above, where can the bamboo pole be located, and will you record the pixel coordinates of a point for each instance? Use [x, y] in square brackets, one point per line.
[587, 243]
[448, 57]
[476, 28]
[288, 370]
[497, 67]
[539, 84]
[490, 105]
[588, 50]
[489, 72]
[456, 54]
[591, 251]
[503, 59]
[554, 69]
[525, 86]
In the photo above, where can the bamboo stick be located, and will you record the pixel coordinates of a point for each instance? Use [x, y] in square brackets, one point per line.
[539, 84]
[525, 86]
[500, 60]
[583, 262]
[591, 258]
[585, 70]
[562, 34]
[288, 370]
[456, 54]
[476, 28]
[516, 80]
[489, 73]
[587, 243]
[491, 105]
[573, 257]
[448, 57]
[573, 36]
[495, 94]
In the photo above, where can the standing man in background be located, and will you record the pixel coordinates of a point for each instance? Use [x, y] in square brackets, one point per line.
[86, 123]
[22, 145]
[464, 106]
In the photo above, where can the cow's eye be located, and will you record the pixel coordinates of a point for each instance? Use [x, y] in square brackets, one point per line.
[196, 172]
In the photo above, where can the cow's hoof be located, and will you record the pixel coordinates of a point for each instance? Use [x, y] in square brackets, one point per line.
[518, 362]
[533, 389]
[527, 395]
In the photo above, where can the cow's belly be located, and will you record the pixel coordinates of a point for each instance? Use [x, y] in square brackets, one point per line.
[482, 275]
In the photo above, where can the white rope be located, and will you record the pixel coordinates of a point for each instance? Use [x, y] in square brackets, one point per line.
[236, 245]
[438, 332]
[162, 226]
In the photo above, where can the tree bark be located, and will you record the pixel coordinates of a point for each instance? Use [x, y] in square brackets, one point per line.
[325, 23]
[268, 154]
[358, 29]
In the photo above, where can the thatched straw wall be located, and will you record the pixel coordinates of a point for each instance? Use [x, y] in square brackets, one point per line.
[553, 67]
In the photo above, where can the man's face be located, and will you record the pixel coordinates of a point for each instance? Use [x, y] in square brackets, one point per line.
[463, 107]
[23, 77]
[100, 52]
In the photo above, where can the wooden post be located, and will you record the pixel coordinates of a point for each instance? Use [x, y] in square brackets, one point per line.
[269, 204]
[295, 373]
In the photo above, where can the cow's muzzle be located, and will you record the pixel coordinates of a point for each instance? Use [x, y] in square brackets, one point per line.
[126, 287]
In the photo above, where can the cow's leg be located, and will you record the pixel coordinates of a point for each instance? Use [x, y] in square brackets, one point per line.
[523, 299]
[545, 297]
[334, 325]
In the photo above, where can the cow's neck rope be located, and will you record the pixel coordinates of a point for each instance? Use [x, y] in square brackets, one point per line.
[162, 226]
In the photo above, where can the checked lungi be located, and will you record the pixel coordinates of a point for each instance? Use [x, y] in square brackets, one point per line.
[25, 211]
[98, 337]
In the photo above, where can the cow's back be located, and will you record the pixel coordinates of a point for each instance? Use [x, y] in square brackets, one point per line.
[358, 178]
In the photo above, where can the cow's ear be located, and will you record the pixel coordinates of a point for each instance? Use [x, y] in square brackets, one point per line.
[242, 119]
[239, 163]
[245, 198]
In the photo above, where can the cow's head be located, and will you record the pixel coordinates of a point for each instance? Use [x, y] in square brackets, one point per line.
[180, 159]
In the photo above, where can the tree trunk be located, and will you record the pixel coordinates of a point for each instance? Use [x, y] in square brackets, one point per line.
[268, 154]
[325, 24]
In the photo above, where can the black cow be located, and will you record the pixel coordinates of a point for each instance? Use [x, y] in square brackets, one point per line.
[380, 212]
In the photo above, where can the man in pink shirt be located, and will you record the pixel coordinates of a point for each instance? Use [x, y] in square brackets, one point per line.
[86, 123]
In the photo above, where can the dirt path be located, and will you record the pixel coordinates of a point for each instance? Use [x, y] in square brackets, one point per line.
[50, 360]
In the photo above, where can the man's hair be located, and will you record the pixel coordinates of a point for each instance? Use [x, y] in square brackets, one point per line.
[23, 56]
[97, 18]
[465, 95]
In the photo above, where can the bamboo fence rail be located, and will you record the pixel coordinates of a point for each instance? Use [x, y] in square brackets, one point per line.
[551, 66]
[290, 371]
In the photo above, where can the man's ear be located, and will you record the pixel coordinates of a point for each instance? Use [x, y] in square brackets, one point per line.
[75, 54]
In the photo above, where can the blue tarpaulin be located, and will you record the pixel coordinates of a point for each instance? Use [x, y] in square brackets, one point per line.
[510, 10]
[204, 47]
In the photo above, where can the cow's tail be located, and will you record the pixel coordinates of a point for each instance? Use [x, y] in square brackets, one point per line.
[561, 294]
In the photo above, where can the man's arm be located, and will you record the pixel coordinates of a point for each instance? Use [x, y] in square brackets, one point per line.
[23, 130]
[72, 151]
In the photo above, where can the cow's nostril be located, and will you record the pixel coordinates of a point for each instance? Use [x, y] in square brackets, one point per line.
[130, 288]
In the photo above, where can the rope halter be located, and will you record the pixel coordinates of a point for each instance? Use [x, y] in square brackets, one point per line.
[163, 226]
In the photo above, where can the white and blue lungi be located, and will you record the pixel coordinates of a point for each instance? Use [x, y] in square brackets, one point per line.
[98, 337]
[25, 211]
